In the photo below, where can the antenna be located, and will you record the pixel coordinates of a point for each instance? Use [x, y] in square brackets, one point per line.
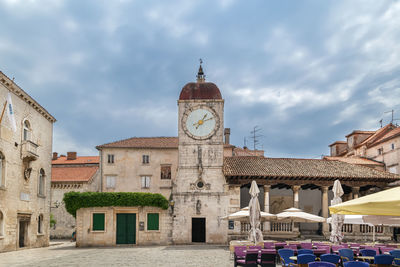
[391, 111]
[255, 135]
[244, 142]
[381, 122]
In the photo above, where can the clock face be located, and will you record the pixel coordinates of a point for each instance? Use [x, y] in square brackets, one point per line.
[200, 123]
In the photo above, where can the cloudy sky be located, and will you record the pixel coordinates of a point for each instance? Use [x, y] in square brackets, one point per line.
[306, 72]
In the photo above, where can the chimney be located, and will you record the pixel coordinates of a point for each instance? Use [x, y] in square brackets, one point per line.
[227, 133]
[55, 156]
[71, 155]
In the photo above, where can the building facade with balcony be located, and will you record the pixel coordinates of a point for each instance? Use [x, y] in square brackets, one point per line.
[25, 170]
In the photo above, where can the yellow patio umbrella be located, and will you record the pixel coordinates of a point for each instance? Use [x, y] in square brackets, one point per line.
[382, 203]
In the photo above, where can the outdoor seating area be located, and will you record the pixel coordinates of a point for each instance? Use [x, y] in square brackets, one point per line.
[292, 253]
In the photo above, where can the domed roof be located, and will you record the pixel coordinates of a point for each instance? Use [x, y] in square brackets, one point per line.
[200, 89]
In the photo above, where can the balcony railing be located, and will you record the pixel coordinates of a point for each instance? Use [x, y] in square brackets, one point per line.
[29, 150]
[281, 227]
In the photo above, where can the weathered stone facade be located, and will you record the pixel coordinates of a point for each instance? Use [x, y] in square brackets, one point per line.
[86, 236]
[25, 171]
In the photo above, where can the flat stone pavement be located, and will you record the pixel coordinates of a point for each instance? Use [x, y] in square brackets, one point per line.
[66, 254]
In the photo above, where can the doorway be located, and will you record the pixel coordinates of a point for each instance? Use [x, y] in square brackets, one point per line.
[126, 228]
[23, 233]
[199, 230]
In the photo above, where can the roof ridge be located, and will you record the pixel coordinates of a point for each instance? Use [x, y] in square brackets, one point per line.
[136, 137]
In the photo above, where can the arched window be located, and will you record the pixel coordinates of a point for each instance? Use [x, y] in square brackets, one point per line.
[2, 170]
[27, 130]
[40, 224]
[1, 224]
[41, 182]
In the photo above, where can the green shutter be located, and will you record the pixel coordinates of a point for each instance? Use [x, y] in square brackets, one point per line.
[98, 222]
[152, 221]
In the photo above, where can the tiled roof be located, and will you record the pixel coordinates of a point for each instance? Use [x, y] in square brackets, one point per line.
[300, 168]
[393, 133]
[144, 142]
[79, 160]
[238, 151]
[72, 174]
[200, 90]
[370, 141]
[356, 160]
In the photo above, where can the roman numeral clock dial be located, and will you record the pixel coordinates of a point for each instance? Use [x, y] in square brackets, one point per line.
[200, 123]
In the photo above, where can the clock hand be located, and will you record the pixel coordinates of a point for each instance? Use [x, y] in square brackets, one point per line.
[208, 119]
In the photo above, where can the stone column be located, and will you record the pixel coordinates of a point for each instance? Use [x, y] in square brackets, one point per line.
[356, 191]
[296, 189]
[267, 188]
[325, 204]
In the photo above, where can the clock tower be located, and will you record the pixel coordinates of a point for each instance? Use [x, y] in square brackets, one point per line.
[199, 191]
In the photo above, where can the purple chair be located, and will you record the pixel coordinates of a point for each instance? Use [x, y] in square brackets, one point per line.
[306, 245]
[250, 260]
[279, 245]
[326, 248]
[291, 246]
[240, 252]
[321, 264]
[268, 257]
[255, 247]
[269, 245]
[355, 245]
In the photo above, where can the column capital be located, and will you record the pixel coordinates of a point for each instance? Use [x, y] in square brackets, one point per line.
[267, 188]
[296, 188]
[324, 189]
[355, 189]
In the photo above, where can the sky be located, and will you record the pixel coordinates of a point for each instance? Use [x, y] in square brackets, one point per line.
[307, 73]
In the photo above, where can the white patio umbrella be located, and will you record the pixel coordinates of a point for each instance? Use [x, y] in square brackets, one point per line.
[255, 234]
[244, 214]
[337, 220]
[297, 215]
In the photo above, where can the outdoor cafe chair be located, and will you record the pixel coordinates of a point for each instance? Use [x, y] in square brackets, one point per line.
[332, 258]
[240, 252]
[346, 254]
[285, 254]
[269, 245]
[336, 248]
[383, 260]
[368, 252]
[291, 246]
[306, 245]
[255, 247]
[327, 248]
[267, 258]
[355, 245]
[250, 260]
[305, 251]
[356, 264]
[279, 245]
[304, 259]
[396, 254]
[321, 264]
[385, 250]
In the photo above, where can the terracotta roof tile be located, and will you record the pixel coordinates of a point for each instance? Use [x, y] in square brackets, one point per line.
[393, 133]
[144, 142]
[72, 174]
[200, 90]
[300, 168]
[356, 160]
[79, 160]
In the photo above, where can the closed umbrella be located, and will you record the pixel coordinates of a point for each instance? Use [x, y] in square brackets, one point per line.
[337, 219]
[255, 234]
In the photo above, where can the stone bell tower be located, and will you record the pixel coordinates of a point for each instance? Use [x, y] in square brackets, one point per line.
[199, 190]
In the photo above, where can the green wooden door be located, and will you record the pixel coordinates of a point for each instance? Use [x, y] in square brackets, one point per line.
[126, 228]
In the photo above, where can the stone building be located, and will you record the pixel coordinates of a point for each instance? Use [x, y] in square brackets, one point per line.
[25, 170]
[206, 178]
[379, 149]
[70, 173]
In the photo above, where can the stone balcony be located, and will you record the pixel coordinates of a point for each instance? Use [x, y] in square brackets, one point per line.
[29, 150]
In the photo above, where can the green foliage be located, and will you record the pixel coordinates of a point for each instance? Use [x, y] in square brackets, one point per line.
[52, 220]
[76, 200]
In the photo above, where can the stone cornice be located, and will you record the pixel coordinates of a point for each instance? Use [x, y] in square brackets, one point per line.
[19, 92]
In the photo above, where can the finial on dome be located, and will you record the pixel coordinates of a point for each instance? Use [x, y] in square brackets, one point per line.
[200, 75]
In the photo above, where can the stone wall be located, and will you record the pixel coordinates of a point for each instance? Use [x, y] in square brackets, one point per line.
[86, 237]
[19, 193]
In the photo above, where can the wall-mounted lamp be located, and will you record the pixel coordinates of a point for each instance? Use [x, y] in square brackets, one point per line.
[172, 204]
[56, 204]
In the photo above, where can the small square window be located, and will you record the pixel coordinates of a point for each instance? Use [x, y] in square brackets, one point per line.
[380, 151]
[110, 158]
[145, 159]
[145, 181]
[110, 181]
[153, 221]
[98, 222]
[166, 172]
[392, 146]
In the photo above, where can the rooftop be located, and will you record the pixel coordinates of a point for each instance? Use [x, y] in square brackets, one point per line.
[73, 174]
[143, 142]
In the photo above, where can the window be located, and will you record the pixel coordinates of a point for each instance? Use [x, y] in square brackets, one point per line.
[110, 181]
[27, 130]
[2, 172]
[145, 159]
[393, 169]
[166, 172]
[1, 223]
[110, 158]
[40, 224]
[98, 222]
[145, 181]
[380, 151]
[392, 146]
[153, 221]
[41, 182]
